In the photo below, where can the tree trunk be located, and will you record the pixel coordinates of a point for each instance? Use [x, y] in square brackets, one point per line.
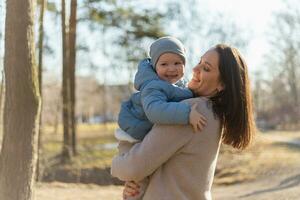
[22, 104]
[291, 64]
[2, 92]
[66, 151]
[56, 118]
[72, 64]
[40, 75]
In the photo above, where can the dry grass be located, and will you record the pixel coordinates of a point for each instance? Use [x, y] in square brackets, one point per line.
[83, 131]
[265, 157]
[92, 163]
[268, 155]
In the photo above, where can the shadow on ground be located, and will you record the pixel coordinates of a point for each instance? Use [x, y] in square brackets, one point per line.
[92, 175]
[293, 144]
[72, 173]
[292, 181]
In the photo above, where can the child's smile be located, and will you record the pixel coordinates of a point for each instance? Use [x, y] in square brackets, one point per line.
[170, 67]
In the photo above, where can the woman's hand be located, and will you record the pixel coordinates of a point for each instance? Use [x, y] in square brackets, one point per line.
[197, 120]
[131, 189]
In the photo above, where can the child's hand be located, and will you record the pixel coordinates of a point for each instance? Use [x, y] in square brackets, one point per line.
[197, 120]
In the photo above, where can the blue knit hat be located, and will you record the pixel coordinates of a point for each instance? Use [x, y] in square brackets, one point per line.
[166, 45]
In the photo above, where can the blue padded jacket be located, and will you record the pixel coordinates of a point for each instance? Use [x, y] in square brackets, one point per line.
[157, 101]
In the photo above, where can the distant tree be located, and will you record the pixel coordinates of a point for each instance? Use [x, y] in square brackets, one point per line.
[222, 28]
[132, 27]
[72, 64]
[66, 150]
[68, 86]
[52, 106]
[283, 59]
[199, 31]
[43, 4]
[22, 104]
[193, 22]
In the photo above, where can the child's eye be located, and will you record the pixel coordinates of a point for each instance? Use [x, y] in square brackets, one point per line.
[163, 64]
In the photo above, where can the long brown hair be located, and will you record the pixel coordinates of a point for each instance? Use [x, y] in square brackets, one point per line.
[233, 105]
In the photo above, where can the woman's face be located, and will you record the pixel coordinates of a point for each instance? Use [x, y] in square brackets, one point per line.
[206, 75]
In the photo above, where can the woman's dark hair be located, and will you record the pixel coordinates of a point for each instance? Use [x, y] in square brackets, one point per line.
[233, 105]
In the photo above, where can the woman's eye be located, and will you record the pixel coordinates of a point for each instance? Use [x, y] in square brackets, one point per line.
[178, 63]
[205, 68]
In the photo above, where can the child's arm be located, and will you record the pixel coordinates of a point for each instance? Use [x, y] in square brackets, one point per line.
[128, 121]
[180, 93]
[144, 74]
[196, 119]
[158, 109]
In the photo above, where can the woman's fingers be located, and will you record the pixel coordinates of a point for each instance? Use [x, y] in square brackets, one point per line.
[127, 193]
[124, 195]
[131, 189]
[132, 184]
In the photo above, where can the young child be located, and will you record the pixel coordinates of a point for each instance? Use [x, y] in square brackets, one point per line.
[158, 96]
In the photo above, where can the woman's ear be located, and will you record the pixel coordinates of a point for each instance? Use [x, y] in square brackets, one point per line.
[220, 87]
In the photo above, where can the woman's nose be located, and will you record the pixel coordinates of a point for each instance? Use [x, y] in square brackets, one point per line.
[197, 68]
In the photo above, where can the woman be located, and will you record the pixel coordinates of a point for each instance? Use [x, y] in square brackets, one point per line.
[179, 163]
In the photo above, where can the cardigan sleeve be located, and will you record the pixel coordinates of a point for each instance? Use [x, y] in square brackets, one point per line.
[161, 143]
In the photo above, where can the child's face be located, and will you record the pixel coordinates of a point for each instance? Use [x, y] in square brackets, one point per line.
[170, 67]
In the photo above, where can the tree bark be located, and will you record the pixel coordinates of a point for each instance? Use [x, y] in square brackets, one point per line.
[72, 64]
[66, 151]
[22, 104]
[2, 92]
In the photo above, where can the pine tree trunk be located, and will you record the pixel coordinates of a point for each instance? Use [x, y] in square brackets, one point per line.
[40, 75]
[72, 64]
[66, 151]
[22, 104]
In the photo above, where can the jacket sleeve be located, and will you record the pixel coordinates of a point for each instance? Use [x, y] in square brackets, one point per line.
[156, 98]
[144, 74]
[180, 93]
[144, 158]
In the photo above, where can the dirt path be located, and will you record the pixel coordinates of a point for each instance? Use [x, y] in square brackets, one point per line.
[62, 191]
[281, 187]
